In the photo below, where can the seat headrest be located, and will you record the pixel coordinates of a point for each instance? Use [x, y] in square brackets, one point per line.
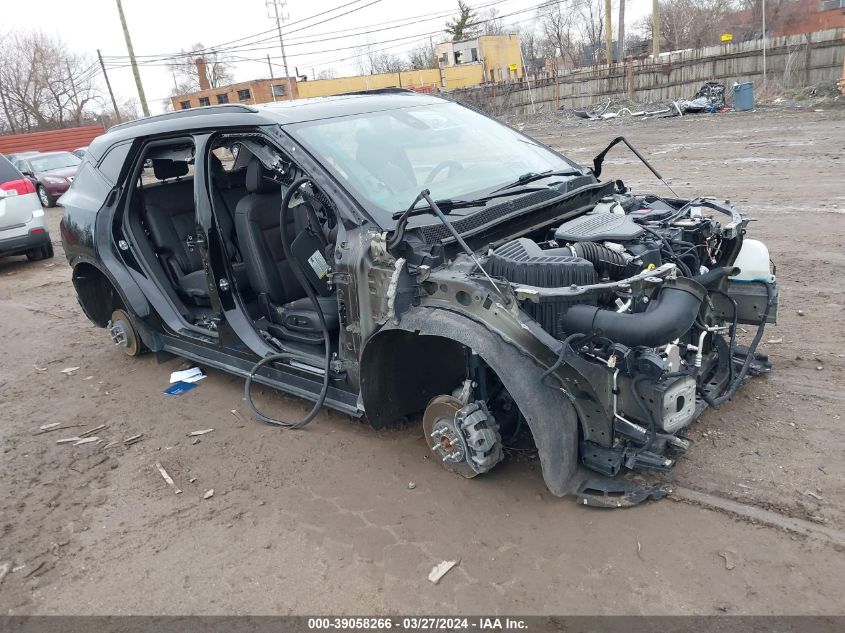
[165, 168]
[259, 179]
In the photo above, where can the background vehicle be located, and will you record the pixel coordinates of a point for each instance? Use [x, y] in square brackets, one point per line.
[22, 225]
[477, 277]
[50, 172]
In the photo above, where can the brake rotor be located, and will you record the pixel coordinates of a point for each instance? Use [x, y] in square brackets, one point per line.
[123, 334]
[444, 437]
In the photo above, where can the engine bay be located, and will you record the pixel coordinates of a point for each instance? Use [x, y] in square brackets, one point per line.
[646, 295]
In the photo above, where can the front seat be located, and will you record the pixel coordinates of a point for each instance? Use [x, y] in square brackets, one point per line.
[270, 274]
[171, 220]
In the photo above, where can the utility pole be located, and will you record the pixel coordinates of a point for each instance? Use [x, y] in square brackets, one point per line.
[75, 94]
[620, 31]
[655, 28]
[608, 36]
[138, 84]
[108, 85]
[270, 66]
[279, 17]
[764, 43]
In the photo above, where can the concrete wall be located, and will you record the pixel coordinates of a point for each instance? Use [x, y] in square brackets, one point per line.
[793, 61]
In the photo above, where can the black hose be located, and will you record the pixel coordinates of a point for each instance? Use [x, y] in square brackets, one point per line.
[667, 317]
[715, 402]
[296, 266]
[608, 263]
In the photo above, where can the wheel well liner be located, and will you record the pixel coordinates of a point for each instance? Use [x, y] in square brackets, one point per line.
[97, 295]
[429, 332]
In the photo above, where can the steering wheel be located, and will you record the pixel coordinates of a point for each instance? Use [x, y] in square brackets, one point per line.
[446, 164]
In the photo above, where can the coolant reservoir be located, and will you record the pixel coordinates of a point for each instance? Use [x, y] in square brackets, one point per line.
[608, 205]
[753, 263]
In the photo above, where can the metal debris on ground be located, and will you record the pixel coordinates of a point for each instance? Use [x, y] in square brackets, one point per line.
[441, 569]
[4, 570]
[812, 494]
[44, 427]
[196, 433]
[729, 560]
[69, 370]
[34, 570]
[92, 431]
[208, 494]
[68, 440]
[37, 368]
[87, 440]
[774, 341]
[110, 444]
[167, 478]
[411, 485]
[135, 438]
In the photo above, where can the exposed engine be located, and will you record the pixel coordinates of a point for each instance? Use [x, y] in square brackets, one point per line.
[646, 295]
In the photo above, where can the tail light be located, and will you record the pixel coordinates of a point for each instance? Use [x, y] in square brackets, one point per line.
[22, 186]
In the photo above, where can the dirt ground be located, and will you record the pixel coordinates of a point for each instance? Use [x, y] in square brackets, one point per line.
[323, 520]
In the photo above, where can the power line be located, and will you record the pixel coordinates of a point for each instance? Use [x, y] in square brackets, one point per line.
[542, 5]
[222, 47]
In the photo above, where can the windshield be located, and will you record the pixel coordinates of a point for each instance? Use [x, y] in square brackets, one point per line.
[386, 158]
[54, 161]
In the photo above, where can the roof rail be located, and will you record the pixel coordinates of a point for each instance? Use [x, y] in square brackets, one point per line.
[380, 91]
[215, 109]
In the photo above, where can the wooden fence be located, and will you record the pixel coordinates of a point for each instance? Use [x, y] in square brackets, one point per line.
[791, 61]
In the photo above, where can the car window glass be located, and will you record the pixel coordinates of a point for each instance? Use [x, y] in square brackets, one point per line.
[386, 157]
[113, 161]
[8, 171]
[54, 161]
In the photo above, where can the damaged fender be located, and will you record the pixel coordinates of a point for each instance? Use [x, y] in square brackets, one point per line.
[549, 414]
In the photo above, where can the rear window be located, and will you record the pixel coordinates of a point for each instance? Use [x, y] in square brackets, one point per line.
[8, 171]
[112, 163]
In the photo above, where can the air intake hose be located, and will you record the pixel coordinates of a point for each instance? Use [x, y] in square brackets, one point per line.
[667, 317]
[608, 263]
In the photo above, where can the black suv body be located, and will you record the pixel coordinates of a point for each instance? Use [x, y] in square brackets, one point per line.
[433, 260]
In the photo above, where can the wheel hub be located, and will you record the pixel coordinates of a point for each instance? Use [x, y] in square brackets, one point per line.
[464, 438]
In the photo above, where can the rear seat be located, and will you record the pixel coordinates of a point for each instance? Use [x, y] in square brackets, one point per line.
[171, 219]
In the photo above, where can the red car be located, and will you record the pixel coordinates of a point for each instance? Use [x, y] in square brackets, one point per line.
[50, 172]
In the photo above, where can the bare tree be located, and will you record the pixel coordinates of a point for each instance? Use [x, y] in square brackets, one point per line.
[490, 23]
[462, 28]
[373, 62]
[560, 38]
[689, 23]
[530, 45]
[43, 85]
[422, 56]
[327, 73]
[218, 70]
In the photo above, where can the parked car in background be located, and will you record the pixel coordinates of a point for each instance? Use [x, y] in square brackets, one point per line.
[50, 172]
[22, 226]
[79, 152]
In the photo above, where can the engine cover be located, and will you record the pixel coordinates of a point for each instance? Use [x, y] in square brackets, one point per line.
[599, 227]
[524, 262]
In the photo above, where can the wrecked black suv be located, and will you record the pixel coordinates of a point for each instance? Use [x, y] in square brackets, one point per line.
[393, 253]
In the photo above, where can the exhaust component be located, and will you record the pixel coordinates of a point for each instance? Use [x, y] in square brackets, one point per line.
[668, 317]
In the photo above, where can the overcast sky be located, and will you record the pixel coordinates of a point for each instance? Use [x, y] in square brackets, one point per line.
[160, 27]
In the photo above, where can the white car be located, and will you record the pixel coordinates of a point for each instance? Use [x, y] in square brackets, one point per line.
[23, 227]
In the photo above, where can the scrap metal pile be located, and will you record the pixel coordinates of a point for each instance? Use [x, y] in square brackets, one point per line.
[709, 98]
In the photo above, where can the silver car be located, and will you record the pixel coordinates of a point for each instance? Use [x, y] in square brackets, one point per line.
[23, 226]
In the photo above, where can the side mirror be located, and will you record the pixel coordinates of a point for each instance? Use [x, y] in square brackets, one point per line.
[29, 174]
